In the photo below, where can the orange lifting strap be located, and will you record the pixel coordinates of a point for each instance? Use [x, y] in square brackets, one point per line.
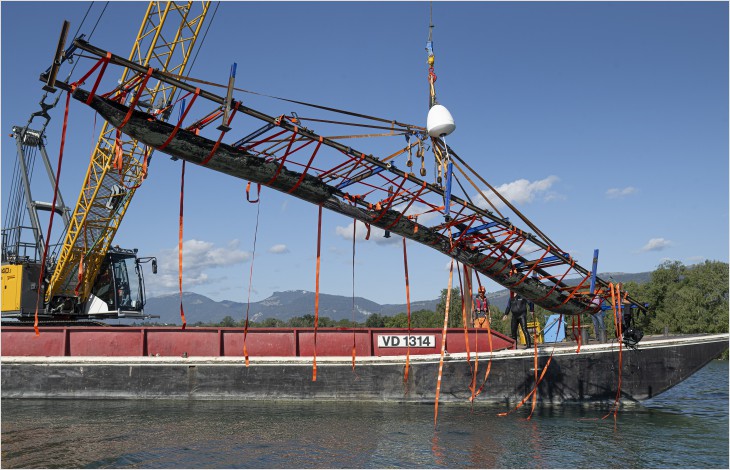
[408, 304]
[354, 342]
[618, 324]
[443, 343]
[316, 295]
[180, 244]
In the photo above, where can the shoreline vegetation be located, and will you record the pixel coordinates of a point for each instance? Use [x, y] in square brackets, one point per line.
[682, 299]
[686, 299]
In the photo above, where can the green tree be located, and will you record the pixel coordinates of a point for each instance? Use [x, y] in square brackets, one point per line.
[272, 323]
[227, 321]
[690, 299]
[397, 321]
[455, 317]
[375, 320]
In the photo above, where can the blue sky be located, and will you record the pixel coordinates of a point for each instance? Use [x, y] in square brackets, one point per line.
[605, 123]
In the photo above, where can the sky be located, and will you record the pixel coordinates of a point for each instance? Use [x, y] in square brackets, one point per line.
[605, 123]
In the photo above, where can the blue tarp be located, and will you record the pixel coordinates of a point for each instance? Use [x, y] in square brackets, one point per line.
[551, 333]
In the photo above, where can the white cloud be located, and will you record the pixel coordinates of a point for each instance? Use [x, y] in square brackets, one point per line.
[521, 191]
[198, 257]
[376, 234]
[656, 244]
[418, 209]
[615, 193]
[279, 249]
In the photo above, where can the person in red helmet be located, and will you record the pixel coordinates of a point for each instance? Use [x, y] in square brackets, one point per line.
[481, 308]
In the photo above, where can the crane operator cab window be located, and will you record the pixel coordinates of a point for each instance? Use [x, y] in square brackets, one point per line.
[118, 284]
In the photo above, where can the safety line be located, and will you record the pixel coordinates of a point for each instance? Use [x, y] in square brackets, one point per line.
[250, 274]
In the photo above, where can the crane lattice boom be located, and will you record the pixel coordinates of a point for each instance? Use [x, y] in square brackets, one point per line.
[117, 167]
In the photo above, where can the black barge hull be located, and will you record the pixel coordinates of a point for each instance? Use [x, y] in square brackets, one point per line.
[589, 376]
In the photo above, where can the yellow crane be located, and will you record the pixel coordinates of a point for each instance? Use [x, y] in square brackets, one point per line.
[117, 167]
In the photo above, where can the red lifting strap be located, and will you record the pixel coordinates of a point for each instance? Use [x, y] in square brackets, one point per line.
[286, 155]
[136, 98]
[50, 222]
[306, 169]
[218, 142]
[179, 123]
[105, 61]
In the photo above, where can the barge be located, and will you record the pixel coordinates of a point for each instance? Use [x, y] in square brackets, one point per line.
[208, 364]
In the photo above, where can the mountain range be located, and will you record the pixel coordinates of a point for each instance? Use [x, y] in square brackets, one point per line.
[296, 303]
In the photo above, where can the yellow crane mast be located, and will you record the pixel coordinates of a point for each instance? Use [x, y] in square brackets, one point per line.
[165, 41]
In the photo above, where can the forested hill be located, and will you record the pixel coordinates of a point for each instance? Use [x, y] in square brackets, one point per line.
[296, 303]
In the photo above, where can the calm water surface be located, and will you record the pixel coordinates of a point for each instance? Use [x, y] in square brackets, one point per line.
[686, 427]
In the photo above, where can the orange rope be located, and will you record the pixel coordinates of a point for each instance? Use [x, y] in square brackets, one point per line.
[491, 349]
[537, 382]
[408, 304]
[136, 98]
[316, 295]
[354, 342]
[443, 343]
[616, 297]
[463, 314]
[180, 121]
[535, 364]
[180, 244]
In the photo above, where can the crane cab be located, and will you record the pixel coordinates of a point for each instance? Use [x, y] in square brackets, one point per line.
[119, 287]
[118, 291]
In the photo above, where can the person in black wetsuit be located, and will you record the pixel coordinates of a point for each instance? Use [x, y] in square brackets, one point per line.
[518, 306]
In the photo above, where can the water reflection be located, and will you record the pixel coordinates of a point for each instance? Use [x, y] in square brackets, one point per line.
[686, 427]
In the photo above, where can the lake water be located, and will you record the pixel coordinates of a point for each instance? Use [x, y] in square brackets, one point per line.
[686, 427]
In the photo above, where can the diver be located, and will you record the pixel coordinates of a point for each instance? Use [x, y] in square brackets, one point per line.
[518, 306]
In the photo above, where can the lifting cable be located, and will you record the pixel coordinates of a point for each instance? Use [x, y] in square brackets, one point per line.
[253, 258]
[392, 122]
[53, 211]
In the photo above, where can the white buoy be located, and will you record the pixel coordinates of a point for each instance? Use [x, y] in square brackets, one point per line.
[439, 121]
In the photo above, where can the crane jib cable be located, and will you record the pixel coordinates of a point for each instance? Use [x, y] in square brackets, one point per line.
[303, 103]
